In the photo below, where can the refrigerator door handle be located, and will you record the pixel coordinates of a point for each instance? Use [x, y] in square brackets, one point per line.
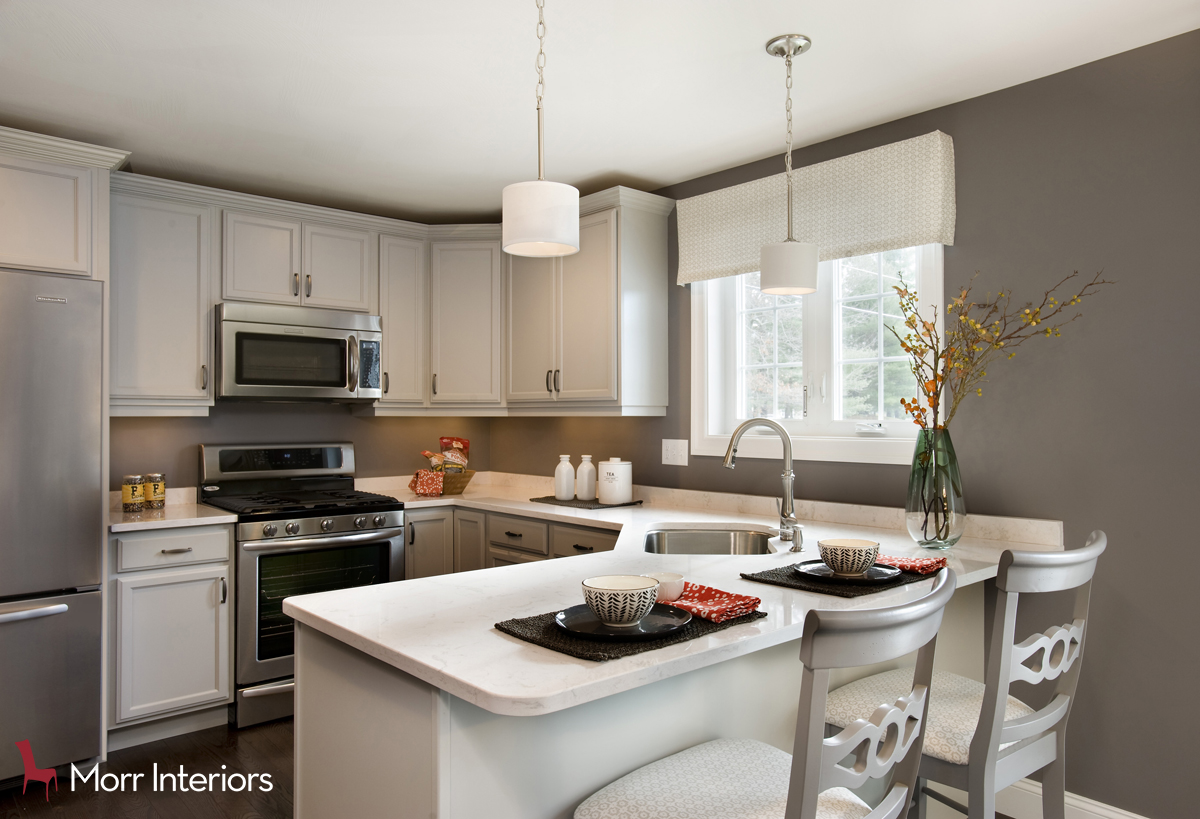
[33, 614]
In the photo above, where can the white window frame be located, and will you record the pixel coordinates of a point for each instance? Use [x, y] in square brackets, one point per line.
[819, 437]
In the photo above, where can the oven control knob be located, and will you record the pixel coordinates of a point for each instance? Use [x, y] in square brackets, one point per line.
[380, 520]
[270, 529]
[360, 522]
[326, 524]
[292, 528]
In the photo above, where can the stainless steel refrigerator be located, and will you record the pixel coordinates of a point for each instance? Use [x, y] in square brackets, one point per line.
[51, 516]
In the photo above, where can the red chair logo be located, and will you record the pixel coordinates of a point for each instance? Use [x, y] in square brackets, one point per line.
[33, 772]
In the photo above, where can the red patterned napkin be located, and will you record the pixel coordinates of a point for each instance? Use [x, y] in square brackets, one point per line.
[712, 604]
[426, 482]
[920, 565]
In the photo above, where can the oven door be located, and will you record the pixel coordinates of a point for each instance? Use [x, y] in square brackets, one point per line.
[281, 362]
[269, 571]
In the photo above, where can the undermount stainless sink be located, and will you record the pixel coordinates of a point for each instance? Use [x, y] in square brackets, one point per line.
[709, 542]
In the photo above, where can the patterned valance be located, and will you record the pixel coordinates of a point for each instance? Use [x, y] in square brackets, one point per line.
[894, 196]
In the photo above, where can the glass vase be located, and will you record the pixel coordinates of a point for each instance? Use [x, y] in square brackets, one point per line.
[936, 513]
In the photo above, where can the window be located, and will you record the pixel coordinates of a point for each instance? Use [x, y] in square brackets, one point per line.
[825, 365]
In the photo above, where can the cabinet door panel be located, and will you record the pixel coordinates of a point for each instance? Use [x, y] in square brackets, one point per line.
[173, 632]
[403, 304]
[45, 216]
[465, 311]
[336, 262]
[160, 293]
[262, 258]
[588, 326]
[532, 327]
[429, 549]
[470, 540]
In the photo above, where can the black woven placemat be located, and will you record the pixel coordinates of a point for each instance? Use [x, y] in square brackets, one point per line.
[792, 579]
[582, 504]
[542, 631]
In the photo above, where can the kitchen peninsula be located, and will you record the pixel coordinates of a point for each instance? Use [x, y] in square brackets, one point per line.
[410, 703]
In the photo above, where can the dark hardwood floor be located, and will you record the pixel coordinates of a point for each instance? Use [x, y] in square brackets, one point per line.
[262, 749]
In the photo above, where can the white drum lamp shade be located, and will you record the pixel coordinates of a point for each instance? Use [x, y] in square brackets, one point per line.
[540, 218]
[788, 268]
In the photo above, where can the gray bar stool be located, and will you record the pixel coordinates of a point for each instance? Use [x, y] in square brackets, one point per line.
[978, 738]
[748, 779]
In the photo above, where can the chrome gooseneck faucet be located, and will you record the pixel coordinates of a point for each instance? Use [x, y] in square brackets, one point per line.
[789, 527]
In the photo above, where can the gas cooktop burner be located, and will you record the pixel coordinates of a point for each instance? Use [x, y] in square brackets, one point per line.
[300, 502]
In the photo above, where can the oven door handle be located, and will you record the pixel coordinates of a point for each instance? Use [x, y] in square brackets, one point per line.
[326, 542]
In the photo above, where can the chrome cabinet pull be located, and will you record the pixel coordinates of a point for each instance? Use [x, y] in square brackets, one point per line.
[295, 284]
[435, 383]
[549, 374]
[33, 614]
[583, 548]
[176, 551]
[387, 383]
[224, 591]
[557, 385]
[307, 286]
[513, 534]
[352, 363]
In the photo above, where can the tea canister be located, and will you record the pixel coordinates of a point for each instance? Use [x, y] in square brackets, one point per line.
[132, 493]
[154, 490]
[615, 481]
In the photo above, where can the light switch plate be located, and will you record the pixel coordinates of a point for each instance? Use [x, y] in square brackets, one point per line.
[675, 452]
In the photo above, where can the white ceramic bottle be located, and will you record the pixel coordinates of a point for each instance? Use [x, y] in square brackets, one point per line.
[585, 480]
[564, 479]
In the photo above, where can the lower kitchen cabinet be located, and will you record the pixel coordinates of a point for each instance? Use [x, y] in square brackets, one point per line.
[508, 557]
[470, 540]
[429, 549]
[173, 621]
[566, 541]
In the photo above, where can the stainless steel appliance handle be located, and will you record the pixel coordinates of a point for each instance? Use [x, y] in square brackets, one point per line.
[224, 591]
[33, 614]
[204, 376]
[268, 690]
[387, 383]
[176, 551]
[295, 284]
[352, 366]
[557, 385]
[307, 286]
[329, 541]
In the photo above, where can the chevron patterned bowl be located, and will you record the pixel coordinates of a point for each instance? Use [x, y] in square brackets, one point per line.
[848, 557]
[620, 599]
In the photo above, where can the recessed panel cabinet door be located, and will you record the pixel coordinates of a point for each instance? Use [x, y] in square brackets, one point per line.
[403, 302]
[160, 294]
[336, 261]
[470, 540]
[45, 216]
[589, 312]
[465, 313]
[173, 639]
[262, 258]
[532, 328]
[429, 549]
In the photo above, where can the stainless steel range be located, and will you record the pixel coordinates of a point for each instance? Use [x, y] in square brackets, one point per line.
[302, 528]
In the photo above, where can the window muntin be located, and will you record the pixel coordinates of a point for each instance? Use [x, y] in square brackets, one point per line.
[770, 356]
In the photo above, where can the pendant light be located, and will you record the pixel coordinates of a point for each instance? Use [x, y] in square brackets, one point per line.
[788, 268]
[540, 218]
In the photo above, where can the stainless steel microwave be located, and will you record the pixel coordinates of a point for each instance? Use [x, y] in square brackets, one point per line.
[273, 352]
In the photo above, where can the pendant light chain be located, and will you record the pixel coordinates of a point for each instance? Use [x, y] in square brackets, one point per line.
[787, 157]
[540, 89]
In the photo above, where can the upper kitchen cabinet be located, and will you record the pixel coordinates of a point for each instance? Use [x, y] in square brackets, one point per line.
[160, 299]
[262, 258]
[588, 332]
[336, 265]
[465, 317]
[403, 305]
[54, 204]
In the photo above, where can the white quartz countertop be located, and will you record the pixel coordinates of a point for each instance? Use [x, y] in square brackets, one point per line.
[169, 517]
[441, 629]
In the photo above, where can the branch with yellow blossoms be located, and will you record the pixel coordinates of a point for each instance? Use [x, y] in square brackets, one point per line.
[948, 366]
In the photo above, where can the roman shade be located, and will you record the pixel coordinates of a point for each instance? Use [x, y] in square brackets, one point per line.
[894, 196]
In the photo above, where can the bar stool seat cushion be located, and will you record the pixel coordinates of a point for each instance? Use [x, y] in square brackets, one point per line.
[954, 704]
[729, 778]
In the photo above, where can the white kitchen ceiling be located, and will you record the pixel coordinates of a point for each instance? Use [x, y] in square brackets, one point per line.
[426, 110]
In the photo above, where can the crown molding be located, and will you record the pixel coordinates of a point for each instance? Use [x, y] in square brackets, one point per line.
[56, 149]
[448, 233]
[626, 198]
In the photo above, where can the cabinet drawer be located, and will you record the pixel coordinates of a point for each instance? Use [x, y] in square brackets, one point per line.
[518, 533]
[506, 557]
[571, 540]
[152, 550]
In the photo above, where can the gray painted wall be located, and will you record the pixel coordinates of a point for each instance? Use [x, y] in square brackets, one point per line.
[1097, 168]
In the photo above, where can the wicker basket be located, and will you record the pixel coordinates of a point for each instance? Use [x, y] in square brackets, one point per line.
[453, 483]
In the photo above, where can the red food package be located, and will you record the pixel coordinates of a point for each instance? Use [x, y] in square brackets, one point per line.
[426, 482]
[455, 452]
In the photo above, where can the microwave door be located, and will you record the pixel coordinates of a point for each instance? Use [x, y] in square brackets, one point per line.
[271, 361]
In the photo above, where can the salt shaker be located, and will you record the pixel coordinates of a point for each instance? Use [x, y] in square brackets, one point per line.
[564, 479]
[585, 480]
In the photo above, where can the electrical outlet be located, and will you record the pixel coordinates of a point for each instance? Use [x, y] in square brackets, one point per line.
[675, 452]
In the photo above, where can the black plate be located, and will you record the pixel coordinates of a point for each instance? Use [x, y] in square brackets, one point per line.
[878, 573]
[661, 621]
